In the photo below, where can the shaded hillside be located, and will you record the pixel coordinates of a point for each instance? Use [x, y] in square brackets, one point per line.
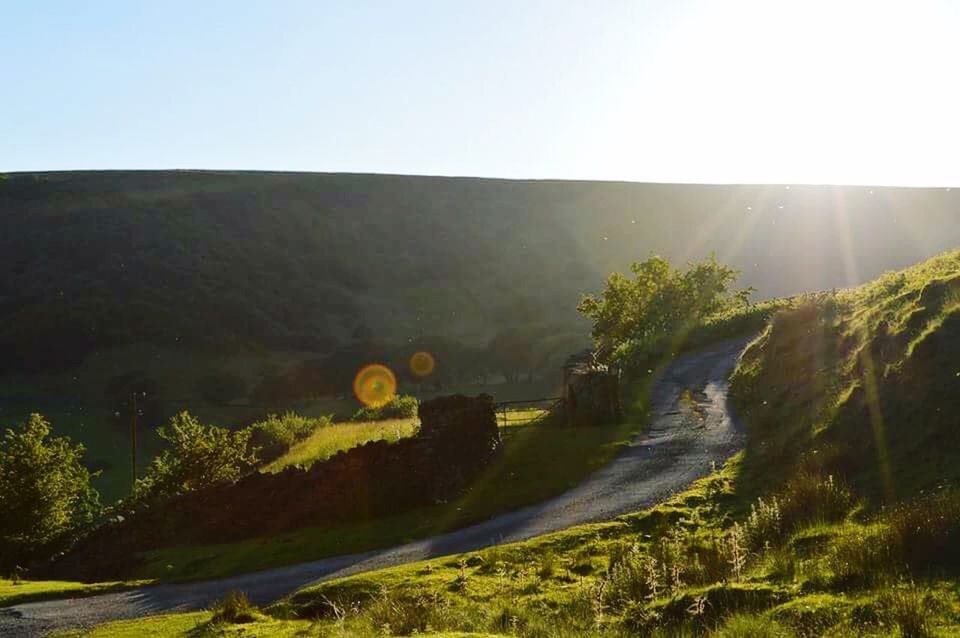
[863, 384]
[294, 260]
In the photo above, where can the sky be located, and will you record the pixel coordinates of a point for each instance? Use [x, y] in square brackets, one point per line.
[674, 91]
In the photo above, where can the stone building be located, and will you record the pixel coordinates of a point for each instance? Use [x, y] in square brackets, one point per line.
[590, 390]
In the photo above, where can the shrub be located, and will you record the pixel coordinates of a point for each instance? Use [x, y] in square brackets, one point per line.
[910, 609]
[927, 532]
[918, 537]
[46, 499]
[275, 434]
[395, 613]
[812, 498]
[634, 577]
[863, 555]
[547, 565]
[806, 499]
[745, 626]
[399, 407]
[648, 312]
[235, 609]
[197, 456]
[764, 525]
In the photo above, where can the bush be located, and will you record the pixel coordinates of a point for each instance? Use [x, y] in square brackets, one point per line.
[752, 627]
[806, 499]
[909, 609]
[862, 556]
[399, 407]
[813, 498]
[235, 609]
[198, 456]
[926, 532]
[394, 613]
[659, 305]
[46, 499]
[634, 577]
[277, 433]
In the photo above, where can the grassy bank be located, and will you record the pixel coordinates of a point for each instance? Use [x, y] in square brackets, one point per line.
[841, 517]
[25, 591]
[328, 440]
[863, 383]
[683, 568]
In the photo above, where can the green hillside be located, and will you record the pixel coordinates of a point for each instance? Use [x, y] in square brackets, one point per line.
[863, 383]
[841, 517]
[299, 261]
[236, 294]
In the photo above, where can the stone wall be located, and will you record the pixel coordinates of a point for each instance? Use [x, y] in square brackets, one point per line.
[458, 437]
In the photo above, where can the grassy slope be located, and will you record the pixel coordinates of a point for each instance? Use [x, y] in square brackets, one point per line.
[25, 591]
[198, 624]
[820, 389]
[866, 382]
[328, 440]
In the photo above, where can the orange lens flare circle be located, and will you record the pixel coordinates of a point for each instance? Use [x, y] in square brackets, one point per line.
[375, 385]
[422, 364]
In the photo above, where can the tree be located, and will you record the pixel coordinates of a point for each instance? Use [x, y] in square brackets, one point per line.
[221, 386]
[198, 456]
[511, 353]
[659, 303]
[46, 499]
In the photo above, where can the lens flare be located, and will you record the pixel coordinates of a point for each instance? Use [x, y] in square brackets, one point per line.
[422, 363]
[375, 384]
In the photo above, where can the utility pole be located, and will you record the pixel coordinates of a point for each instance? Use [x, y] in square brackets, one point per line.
[133, 442]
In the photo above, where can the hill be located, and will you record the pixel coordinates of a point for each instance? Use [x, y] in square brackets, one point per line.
[234, 294]
[90, 260]
[862, 383]
[840, 518]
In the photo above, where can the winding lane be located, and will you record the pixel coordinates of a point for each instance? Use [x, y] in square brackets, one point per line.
[691, 428]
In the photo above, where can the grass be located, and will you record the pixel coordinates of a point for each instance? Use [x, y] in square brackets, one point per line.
[24, 591]
[863, 383]
[580, 582]
[839, 517]
[328, 440]
[515, 479]
[520, 416]
[201, 625]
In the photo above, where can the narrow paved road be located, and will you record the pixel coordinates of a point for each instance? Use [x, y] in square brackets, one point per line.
[691, 427]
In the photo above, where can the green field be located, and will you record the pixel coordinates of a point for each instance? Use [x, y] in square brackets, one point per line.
[328, 440]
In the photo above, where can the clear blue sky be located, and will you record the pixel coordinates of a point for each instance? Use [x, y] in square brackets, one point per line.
[725, 91]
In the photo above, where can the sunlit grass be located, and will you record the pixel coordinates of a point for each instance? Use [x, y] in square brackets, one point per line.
[199, 624]
[28, 590]
[520, 416]
[331, 439]
[516, 478]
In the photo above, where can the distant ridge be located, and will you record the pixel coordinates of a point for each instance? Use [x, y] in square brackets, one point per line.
[91, 259]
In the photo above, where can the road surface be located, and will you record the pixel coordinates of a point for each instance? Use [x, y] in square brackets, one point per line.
[691, 428]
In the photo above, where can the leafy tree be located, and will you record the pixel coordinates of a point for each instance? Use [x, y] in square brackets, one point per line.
[511, 353]
[274, 435]
[659, 302]
[46, 498]
[197, 456]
